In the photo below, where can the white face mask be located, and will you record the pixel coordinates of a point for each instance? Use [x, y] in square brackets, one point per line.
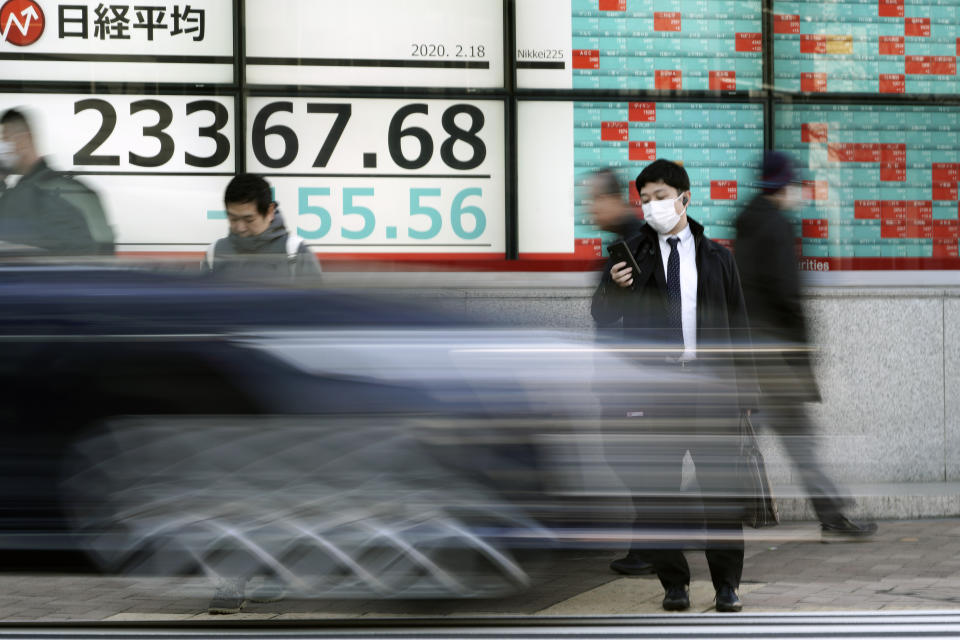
[8, 157]
[661, 214]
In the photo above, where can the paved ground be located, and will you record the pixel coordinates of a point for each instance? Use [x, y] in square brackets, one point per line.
[910, 565]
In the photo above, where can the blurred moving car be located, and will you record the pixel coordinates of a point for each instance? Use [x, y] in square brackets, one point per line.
[346, 444]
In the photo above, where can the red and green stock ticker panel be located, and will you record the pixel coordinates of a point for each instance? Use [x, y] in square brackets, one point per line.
[880, 185]
[867, 46]
[820, 46]
[706, 45]
[720, 146]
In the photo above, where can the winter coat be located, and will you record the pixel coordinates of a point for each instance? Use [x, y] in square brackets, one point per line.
[765, 256]
[271, 255]
[54, 212]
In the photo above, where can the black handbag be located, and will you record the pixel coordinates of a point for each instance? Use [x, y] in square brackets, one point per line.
[760, 507]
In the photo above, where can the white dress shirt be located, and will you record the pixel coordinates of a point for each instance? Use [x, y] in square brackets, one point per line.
[688, 287]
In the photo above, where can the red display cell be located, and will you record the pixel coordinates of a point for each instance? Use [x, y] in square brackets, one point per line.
[893, 230]
[892, 45]
[946, 230]
[891, 9]
[618, 131]
[918, 65]
[840, 152]
[723, 189]
[958, 46]
[815, 190]
[931, 65]
[916, 27]
[613, 5]
[814, 228]
[946, 172]
[643, 151]
[945, 191]
[642, 112]
[813, 82]
[945, 65]
[813, 132]
[813, 43]
[587, 248]
[633, 194]
[749, 42]
[893, 173]
[866, 152]
[919, 230]
[867, 210]
[919, 210]
[666, 21]
[945, 249]
[726, 243]
[895, 153]
[723, 81]
[668, 79]
[893, 211]
[586, 58]
[893, 83]
[786, 23]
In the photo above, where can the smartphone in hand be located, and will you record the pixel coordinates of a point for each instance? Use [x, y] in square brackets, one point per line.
[620, 252]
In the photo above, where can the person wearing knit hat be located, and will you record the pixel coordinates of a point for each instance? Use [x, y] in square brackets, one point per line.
[765, 256]
[778, 171]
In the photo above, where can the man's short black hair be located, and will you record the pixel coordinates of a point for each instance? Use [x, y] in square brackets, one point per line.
[15, 116]
[670, 173]
[607, 183]
[247, 187]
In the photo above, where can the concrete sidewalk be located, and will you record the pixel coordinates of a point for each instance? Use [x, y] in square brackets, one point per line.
[909, 565]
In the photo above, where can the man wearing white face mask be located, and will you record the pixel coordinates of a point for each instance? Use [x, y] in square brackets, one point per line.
[685, 296]
[46, 209]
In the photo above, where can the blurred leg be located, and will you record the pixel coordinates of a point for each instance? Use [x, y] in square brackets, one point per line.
[789, 419]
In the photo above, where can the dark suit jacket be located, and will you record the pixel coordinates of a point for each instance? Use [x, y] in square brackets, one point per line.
[721, 312]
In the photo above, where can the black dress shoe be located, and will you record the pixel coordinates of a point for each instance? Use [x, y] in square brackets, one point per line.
[632, 565]
[840, 529]
[727, 600]
[676, 598]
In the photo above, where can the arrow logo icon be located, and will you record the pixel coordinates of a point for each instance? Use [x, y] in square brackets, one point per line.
[22, 22]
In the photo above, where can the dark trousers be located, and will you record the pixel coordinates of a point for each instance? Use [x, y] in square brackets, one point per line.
[698, 415]
[668, 522]
[787, 416]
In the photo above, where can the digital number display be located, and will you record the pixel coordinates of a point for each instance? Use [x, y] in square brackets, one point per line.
[880, 185]
[719, 145]
[672, 45]
[384, 176]
[867, 46]
[423, 43]
[132, 133]
[165, 41]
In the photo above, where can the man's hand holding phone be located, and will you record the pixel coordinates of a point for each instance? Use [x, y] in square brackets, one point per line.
[622, 274]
